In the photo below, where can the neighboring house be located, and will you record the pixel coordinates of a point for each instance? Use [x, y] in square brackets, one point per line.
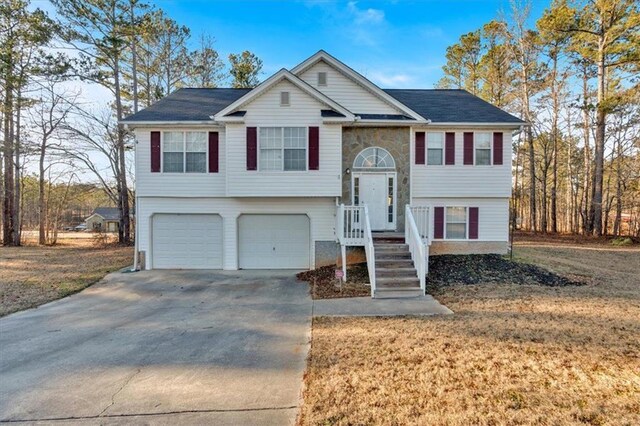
[103, 219]
[256, 178]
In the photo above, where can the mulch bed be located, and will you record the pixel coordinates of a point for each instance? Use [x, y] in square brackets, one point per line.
[444, 271]
[447, 270]
[324, 285]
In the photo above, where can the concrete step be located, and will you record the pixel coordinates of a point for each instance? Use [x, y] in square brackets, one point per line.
[393, 255]
[396, 282]
[394, 263]
[395, 272]
[397, 293]
[390, 247]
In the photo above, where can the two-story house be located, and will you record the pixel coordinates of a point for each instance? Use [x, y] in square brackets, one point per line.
[278, 176]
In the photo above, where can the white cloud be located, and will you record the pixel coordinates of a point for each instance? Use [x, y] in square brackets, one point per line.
[365, 16]
[391, 80]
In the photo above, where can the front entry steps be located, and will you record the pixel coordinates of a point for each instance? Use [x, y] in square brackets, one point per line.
[395, 273]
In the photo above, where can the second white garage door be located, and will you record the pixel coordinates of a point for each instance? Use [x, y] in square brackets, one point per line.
[187, 241]
[273, 241]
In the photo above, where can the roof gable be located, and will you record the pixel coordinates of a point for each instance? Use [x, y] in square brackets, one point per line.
[226, 113]
[359, 79]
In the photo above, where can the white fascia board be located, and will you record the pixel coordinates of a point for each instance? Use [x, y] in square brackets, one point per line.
[471, 125]
[274, 79]
[358, 78]
[134, 124]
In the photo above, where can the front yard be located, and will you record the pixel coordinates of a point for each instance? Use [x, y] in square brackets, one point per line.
[511, 354]
[33, 275]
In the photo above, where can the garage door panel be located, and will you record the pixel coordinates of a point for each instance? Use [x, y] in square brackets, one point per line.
[274, 241]
[187, 241]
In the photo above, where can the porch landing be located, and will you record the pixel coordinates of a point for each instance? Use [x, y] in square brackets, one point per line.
[368, 307]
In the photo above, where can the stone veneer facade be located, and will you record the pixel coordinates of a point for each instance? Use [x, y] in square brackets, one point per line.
[396, 140]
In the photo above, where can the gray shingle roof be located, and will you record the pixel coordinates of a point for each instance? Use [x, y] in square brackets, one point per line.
[189, 105]
[108, 213]
[437, 105]
[451, 106]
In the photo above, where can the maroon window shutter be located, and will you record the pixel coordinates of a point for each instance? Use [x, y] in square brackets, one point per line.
[155, 152]
[497, 148]
[468, 148]
[450, 148]
[473, 223]
[420, 148]
[252, 148]
[213, 152]
[438, 223]
[314, 148]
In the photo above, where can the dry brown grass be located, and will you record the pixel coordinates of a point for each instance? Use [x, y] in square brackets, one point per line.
[33, 275]
[510, 355]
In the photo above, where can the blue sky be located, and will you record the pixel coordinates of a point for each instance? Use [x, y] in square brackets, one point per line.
[394, 43]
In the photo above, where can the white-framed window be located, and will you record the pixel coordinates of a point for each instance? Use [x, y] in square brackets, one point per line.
[284, 99]
[184, 152]
[435, 148]
[322, 78]
[282, 148]
[456, 223]
[482, 149]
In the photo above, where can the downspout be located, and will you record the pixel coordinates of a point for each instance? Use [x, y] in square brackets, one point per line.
[135, 242]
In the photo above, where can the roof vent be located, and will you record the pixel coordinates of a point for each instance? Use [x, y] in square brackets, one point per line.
[284, 98]
[322, 78]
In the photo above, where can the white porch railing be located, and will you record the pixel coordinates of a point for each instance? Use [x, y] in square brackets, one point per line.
[418, 247]
[354, 229]
[421, 217]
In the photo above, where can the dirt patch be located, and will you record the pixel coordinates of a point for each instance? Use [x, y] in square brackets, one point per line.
[324, 285]
[446, 270]
[33, 275]
[511, 354]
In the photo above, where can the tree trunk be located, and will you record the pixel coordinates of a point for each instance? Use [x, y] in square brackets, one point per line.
[17, 233]
[134, 55]
[586, 127]
[42, 213]
[595, 210]
[554, 182]
[8, 199]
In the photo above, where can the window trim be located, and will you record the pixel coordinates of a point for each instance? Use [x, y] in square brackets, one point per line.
[442, 150]
[475, 141]
[184, 152]
[466, 227]
[306, 150]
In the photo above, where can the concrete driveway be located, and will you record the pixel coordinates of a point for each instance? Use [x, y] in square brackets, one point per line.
[164, 347]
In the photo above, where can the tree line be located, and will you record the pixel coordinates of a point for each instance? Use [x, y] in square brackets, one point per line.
[128, 48]
[574, 77]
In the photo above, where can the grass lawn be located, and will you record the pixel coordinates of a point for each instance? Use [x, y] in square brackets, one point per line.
[33, 275]
[511, 354]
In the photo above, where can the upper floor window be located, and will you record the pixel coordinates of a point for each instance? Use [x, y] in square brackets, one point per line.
[184, 152]
[483, 149]
[283, 148]
[322, 78]
[456, 223]
[435, 149]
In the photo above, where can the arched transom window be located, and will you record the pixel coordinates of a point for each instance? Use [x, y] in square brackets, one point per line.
[374, 158]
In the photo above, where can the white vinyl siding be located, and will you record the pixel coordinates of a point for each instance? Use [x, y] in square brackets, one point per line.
[177, 184]
[273, 241]
[319, 210]
[459, 180]
[493, 218]
[264, 111]
[347, 92]
[191, 241]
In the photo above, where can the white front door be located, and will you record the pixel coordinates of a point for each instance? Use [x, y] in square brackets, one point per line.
[374, 192]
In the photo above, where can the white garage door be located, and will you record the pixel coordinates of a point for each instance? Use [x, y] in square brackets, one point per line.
[187, 241]
[274, 241]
